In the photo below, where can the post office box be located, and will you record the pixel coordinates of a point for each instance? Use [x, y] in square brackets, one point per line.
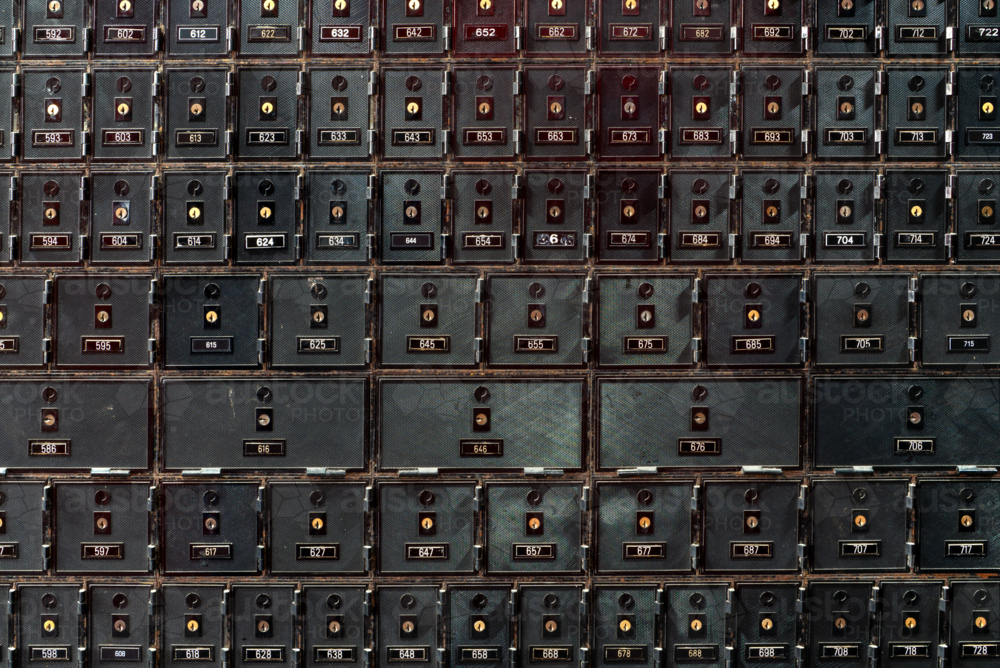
[123, 108]
[484, 217]
[631, 27]
[773, 28]
[317, 527]
[644, 320]
[484, 111]
[861, 320]
[695, 627]
[917, 110]
[52, 112]
[268, 28]
[629, 214]
[268, 110]
[22, 509]
[407, 625]
[626, 621]
[643, 527]
[976, 224]
[414, 28]
[978, 127]
[845, 119]
[335, 625]
[485, 28]
[556, 210]
[771, 220]
[193, 625]
[7, 143]
[774, 111]
[98, 423]
[267, 216]
[917, 204]
[50, 211]
[551, 624]
[534, 528]
[103, 528]
[336, 219]
[428, 320]
[210, 527]
[839, 623]
[629, 112]
[211, 320]
[846, 232]
[120, 625]
[319, 321]
[448, 423]
[264, 424]
[859, 525]
[766, 624]
[341, 28]
[120, 233]
[102, 321]
[704, 27]
[479, 623]
[411, 216]
[49, 624]
[977, 29]
[22, 322]
[196, 120]
[535, 320]
[753, 319]
[972, 622]
[556, 28]
[952, 535]
[715, 423]
[951, 333]
[7, 29]
[700, 112]
[917, 28]
[910, 625]
[264, 624]
[413, 111]
[699, 208]
[556, 112]
[427, 528]
[194, 217]
[905, 421]
[846, 28]
[197, 29]
[54, 30]
[765, 538]
[123, 28]
[339, 112]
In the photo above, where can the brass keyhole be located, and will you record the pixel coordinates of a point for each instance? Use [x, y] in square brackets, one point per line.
[766, 624]
[102, 523]
[700, 211]
[534, 524]
[696, 625]
[625, 625]
[555, 211]
[263, 626]
[1, 521]
[197, 5]
[334, 626]
[122, 109]
[910, 623]
[337, 212]
[211, 523]
[846, 107]
[752, 522]
[192, 625]
[481, 419]
[840, 623]
[49, 420]
[482, 212]
[196, 109]
[917, 5]
[846, 4]
[980, 622]
[413, 107]
[414, 5]
[121, 213]
[194, 212]
[551, 626]
[629, 211]
[862, 315]
[125, 5]
[340, 5]
[53, 109]
[428, 315]
[319, 316]
[265, 212]
[263, 419]
[968, 315]
[479, 625]
[269, 5]
[772, 107]
[317, 523]
[987, 211]
[407, 627]
[699, 418]
[917, 108]
[773, 4]
[48, 624]
[988, 4]
[987, 107]
[338, 108]
[772, 211]
[555, 108]
[753, 315]
[701, 107]
[644, 522]
[536, 315]
[54, 6]
[103, 316]
[631, 4]
[915, 418]
[50, 213]
[916, 211]
[427, 523]
[267, 107]
[702, 4]
[411, 212]
[646, 316]
[556, 4]
[966, 521]
[630, 107]
[484, 108]
[211, 316]
[119, 626]
[845, 211]
[485, 4]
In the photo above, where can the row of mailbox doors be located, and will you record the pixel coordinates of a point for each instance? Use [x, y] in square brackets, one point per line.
[321, 426]
[433, 320]
[750, 525]
[543, 216]
[205, 28]
[543, 112]
[851, 623]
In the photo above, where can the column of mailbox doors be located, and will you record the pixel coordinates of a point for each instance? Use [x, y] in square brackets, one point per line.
[500, 332]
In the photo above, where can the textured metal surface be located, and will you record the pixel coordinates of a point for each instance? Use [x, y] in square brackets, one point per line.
[620, 507]
[79, 510]
[292, 508]
[233, 507]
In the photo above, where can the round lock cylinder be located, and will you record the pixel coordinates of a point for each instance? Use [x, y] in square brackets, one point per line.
[479, 625]
[334, 626]
[317, 523]
[192, 625]
[766, 624]
[696, 625]
[407, 627]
